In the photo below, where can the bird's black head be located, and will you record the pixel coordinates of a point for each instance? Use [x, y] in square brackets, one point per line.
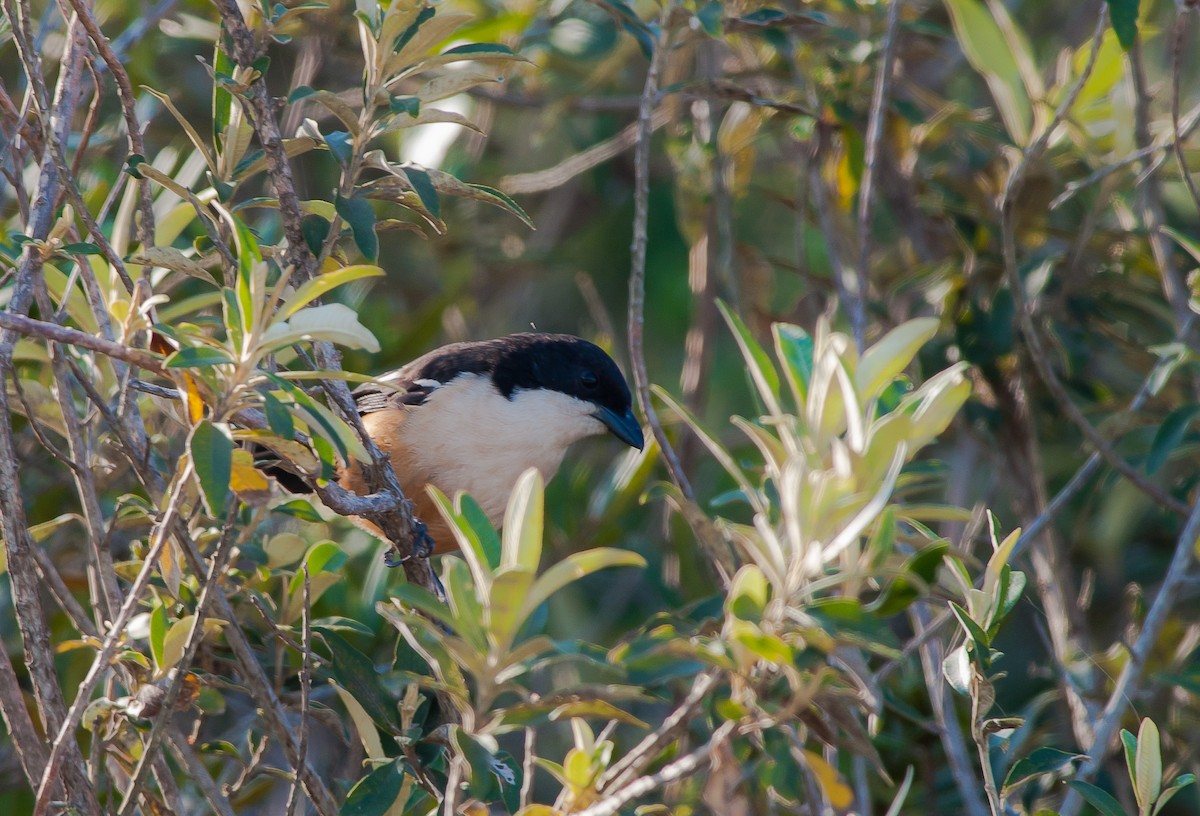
[557, 362]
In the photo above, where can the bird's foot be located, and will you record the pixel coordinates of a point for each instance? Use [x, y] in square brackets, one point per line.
[422, 547]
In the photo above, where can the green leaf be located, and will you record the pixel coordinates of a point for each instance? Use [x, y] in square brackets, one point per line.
[574, 567]
[1175, 787]
[481, 780]
[222, 99]
[335, 322]
[322, 557]
[425, 190]
[82, 248]
[505, 609]
[1041, 761]
[1129, 743]
[1169, 436]
[1123, 14]
[315, 229]
[771, 648]
[465, 604]
[358, 213]
[377, 793]
[423, 601]
[917, 575]
[749, 593]
[298, 508]
[974, 631]
[410, 105]
[279, 418]
[1098, 798]
[762, 372]
[598, 709]
[197, 357]
[1148, 785]
[158, 633]
[957, 670]
[987, 49]
[321, 284]
[354, 671]
[211, 447]
[883, 361]
[521, 545]
[794, 348]
[489, 541]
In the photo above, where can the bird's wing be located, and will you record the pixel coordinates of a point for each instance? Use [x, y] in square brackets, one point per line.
[394, 391]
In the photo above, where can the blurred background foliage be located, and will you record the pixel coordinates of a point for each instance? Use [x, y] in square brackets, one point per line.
[761, 150]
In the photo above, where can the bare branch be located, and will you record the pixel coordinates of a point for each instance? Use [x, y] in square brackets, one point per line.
[30, 327]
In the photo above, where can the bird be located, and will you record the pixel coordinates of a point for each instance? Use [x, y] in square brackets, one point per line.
[473, 416]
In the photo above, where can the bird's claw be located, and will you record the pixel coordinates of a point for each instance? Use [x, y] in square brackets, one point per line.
[422, 547]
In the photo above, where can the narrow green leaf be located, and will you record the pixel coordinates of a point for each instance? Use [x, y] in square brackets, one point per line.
[321, 284]
[794, 348]
[1129, 743]
[279, 418]
[749, 593]
[358, 213]
[1041, 761]
[1175, 787]
[222, 99]
[158, 633]
[377, 793]
[315, 229]
[197, 357]
[1169, 436]
[974, 631]
[422, 184]
[1098, 798]
[354, 671]
[466, 606]
[481, 781]
[423, 601]
[521, 545]
[81, 248]
[298, 508]
[489, 541]
[762, 371]
[506, 605]
[211, 447]
[574, 567]
[1123, 14]
[891, 354]
[1149, 765]
[986, 48]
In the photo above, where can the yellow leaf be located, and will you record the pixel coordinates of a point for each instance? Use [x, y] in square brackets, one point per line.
[837, 791]
[246, 480]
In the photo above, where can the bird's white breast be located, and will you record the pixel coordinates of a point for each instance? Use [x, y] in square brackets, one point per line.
[472, 438]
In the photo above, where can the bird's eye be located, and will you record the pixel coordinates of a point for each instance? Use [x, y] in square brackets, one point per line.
[589, 380]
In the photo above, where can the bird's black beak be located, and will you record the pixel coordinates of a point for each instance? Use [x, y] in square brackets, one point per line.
[623, 426]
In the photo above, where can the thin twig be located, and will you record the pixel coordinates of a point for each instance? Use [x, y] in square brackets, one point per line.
[621, 772]
[637, 272]
[866, 191]
[950, 732]
[539, 181]
[679, 769]
[305, 687]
